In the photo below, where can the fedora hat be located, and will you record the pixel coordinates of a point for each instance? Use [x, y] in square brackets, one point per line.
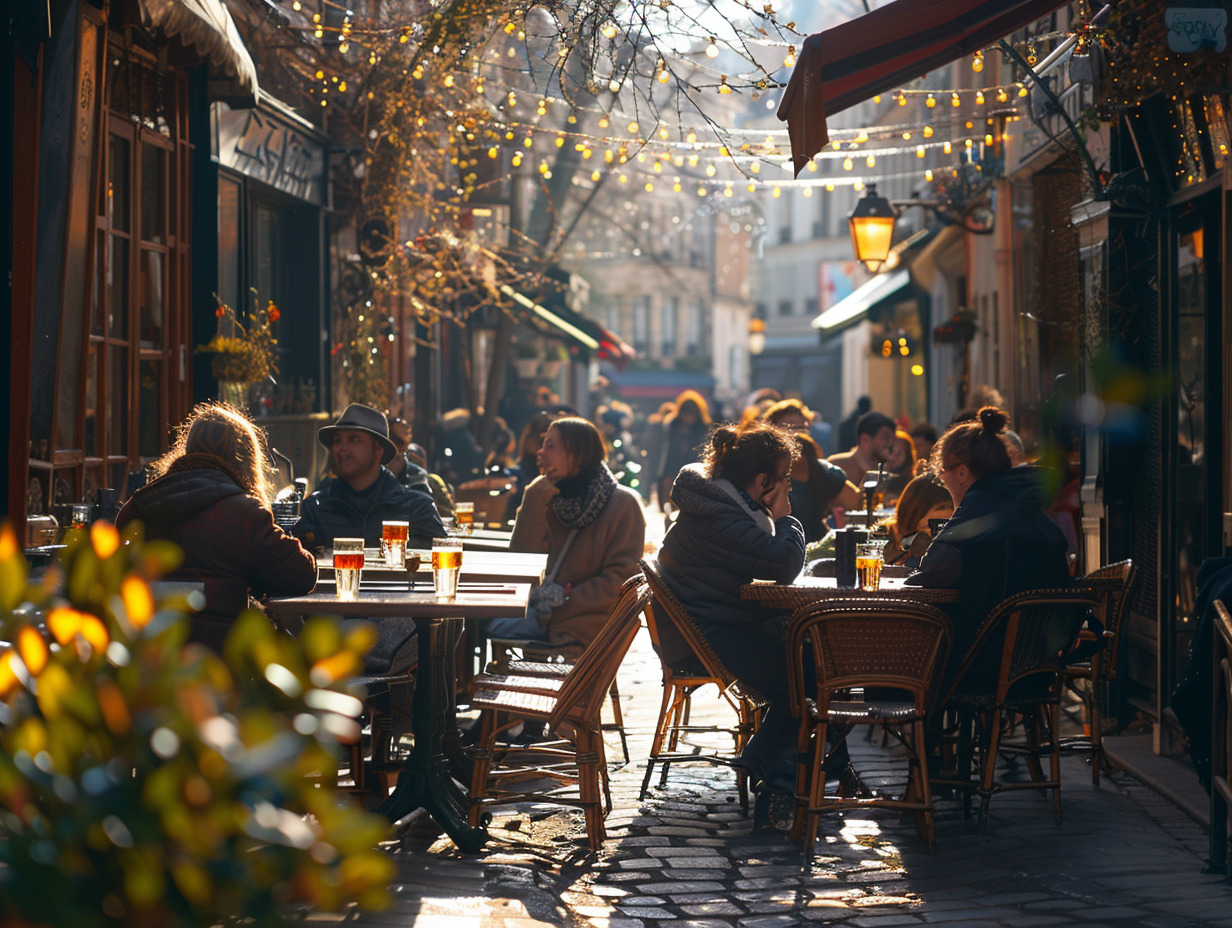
[360, 418]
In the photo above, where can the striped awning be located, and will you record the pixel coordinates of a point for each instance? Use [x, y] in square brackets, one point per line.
[207, 28]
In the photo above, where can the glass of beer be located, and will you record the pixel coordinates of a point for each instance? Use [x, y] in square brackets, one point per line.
[348, 565]
[868, 565]
[464, 517]
[446, 565]
[393, 543]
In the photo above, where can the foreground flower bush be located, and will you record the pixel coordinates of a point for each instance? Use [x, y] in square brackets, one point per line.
[148, 782]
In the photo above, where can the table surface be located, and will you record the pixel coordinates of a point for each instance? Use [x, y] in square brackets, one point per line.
[474, 601]
[477, 566]
[805, 590]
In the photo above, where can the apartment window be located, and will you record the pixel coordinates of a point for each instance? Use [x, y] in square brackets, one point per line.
[694, 330]
[668, 327]
[784, 307]
[641, 324]
[812, 308]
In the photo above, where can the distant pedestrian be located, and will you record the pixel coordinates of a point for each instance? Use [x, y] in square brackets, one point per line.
[685, 431]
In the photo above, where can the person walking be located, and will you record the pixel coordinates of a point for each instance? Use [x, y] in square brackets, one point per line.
[212, 497]
[685, 430]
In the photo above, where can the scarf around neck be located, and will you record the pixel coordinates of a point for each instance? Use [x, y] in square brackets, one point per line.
[583, 497]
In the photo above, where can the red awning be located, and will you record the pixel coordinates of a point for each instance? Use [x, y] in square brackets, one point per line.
[613, 348]
[885, 49]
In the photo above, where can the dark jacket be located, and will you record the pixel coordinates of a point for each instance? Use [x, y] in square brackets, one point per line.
[999, 541]
[717, 544]
[229, 539]
[337, 511]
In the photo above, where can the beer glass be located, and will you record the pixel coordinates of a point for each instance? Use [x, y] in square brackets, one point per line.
[446, 565]
[393, 543]
[868, 564]
[348, 565]
[464, 517]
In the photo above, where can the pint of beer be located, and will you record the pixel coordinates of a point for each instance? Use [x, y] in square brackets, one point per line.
[868, 565]
[393, 543]
[348, 565]
[446, 565]
[464, 517]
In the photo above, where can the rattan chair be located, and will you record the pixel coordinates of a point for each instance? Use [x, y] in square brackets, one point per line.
[541, 659]
[893, 649]
[1221, 740]
[1026, 636]
[689, 663]
[1089, 680]
[570, 707]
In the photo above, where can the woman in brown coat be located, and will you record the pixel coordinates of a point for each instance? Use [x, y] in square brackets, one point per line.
[592, 529]
[212, 498]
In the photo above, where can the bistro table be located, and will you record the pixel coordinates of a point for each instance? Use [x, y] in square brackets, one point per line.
[426, 781]
[804, 591]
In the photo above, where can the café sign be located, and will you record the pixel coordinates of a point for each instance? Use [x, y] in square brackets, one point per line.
[271, 149]
[1192, 29]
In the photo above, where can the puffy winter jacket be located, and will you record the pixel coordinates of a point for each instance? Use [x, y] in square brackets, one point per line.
[230, 541]
[337, 511]
[999, 541]
[717, 544]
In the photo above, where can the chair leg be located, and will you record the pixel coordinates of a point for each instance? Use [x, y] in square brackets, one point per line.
[481, 762]
[660, 735]
[590, 757]
[918, 781]
[1054, 716]
[1095, 719]
[989, 773]
[618, 720]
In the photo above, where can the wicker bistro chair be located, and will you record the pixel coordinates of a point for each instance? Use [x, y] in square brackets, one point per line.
[1026, 635]
[541, 659]
[1221, 741]
[672, 631]
[570, 707]
[891, 646]
[373, 764]
[1090, 679]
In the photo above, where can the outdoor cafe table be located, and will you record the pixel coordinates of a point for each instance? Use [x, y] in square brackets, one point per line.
[804, 591]
[426, 782]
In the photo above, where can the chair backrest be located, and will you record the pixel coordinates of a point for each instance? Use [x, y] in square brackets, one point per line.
[590, 680]
[491, 497]
[1028, 632]
[1113, 584]
[886, 642]
[1221, 722]
[676, 630]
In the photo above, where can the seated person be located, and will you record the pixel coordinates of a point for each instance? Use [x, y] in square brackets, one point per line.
[735, 526]
[923, 499]
[999, 540]
[409, 465]
[212, 497]
[364, 494]
[592, 529]
[899, 466]
[874, 441]
[816, 484]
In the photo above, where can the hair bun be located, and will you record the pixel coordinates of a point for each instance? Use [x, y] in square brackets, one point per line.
[993, 419]
[724, 439]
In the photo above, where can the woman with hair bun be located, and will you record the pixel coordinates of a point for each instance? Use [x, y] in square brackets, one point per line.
[1000, 540]
[735, 526]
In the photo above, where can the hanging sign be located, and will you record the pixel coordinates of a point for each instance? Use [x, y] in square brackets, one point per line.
[267, 147]
[1192, 29]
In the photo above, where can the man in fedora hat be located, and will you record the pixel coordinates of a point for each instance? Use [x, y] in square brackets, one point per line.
[364, 494]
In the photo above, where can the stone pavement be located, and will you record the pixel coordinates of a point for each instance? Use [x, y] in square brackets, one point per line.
[1123, 856]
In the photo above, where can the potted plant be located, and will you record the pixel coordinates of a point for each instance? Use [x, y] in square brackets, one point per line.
[526, 360]
[245, 352]
[147, 781]
[555, 359]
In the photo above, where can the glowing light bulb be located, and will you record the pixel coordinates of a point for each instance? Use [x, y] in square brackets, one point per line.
[595, 175]
[847, 165]
[603, 123]
[623, 178]
[829, 187]
[919, 151]
[877, 99]
[649, 187]
[609, 30]
[871, 161]
[902, 99]
[977, 63]
[947, 148]
[712, 50]
[979, 97]
[954, 101]
[790, 60]
[807, 191]
[613, 85]
[776, 193]
[448, 80]
[701, 191]
[928, 132]
[1002, 96]
[664, 77]
[1022, 90]
[710, 170]
[727, 191]
[930, 101]
[907, 136]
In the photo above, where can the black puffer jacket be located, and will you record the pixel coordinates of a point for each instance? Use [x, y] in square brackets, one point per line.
[230, 541]
[337, 511]
[999, 541]
[718, 544]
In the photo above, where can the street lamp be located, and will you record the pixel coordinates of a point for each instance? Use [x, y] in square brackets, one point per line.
[757, 335]
[872, 228]
[872, 222]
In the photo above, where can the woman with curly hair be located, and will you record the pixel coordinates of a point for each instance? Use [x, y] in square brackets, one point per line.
[212, 496]
[735, 526]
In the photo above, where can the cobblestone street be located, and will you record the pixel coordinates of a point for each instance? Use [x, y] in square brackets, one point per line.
[1122, 857]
